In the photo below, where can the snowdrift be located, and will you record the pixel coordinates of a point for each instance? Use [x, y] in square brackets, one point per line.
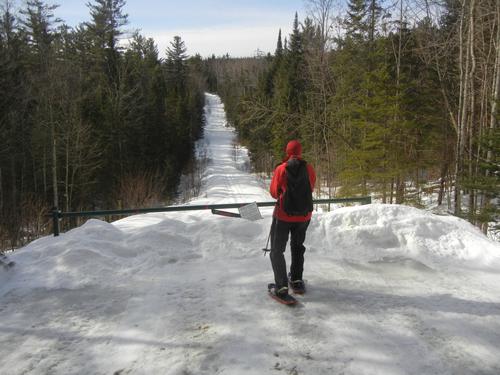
[371, 233]
[381, 232]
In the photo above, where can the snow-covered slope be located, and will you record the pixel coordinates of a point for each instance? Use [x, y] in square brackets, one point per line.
[391, 290]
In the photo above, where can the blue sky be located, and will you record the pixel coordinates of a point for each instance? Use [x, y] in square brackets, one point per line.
[236, 27]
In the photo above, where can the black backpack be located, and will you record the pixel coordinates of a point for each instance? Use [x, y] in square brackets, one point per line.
[297, 198]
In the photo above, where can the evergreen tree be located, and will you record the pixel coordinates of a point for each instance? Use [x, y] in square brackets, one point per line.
[39, 25]
[374, 11]
[296, 67]
[269, 77]
[182, 104]
[177, 64]
[105, 30]
[289, 90]
[14, 148]
[355, 22]
[279, 47]
[105, 107]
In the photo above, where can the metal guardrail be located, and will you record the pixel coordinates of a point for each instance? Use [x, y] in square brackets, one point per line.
[57, 215]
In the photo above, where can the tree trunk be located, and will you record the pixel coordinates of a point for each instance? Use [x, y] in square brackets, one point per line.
[55, 193]
[494, 92]
[472, 115]
[442, 180]
[392, 191]
[465, 79]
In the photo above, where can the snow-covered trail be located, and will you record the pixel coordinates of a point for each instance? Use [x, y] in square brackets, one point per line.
[392, 290]
[226, 178]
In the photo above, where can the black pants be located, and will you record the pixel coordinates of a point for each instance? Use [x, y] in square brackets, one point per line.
[279, 237]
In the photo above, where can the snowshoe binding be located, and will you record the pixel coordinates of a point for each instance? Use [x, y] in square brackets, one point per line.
[297, 286]
[281, 295]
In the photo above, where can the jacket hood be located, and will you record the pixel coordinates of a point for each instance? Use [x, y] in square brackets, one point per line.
[294, 148]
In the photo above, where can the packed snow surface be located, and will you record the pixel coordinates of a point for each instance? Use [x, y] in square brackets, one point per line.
[391, 290]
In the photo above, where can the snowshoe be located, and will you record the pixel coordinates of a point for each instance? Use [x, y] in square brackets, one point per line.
[281, 295]
[297, 286]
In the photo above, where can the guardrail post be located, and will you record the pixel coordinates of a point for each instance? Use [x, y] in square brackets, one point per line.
[55, 221]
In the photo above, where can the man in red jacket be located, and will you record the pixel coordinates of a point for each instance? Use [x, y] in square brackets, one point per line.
[292, 185]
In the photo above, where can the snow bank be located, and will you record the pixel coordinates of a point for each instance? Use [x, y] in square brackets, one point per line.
[382, 232]
[102, 252]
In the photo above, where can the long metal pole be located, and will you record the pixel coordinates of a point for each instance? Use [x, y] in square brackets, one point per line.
[56, 214]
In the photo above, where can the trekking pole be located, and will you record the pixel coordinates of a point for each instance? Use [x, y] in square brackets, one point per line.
[266, 250]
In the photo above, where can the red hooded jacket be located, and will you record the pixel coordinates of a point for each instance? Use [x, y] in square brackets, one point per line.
[278, 183]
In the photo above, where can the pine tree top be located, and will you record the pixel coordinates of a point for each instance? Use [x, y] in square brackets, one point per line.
[279, 45]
